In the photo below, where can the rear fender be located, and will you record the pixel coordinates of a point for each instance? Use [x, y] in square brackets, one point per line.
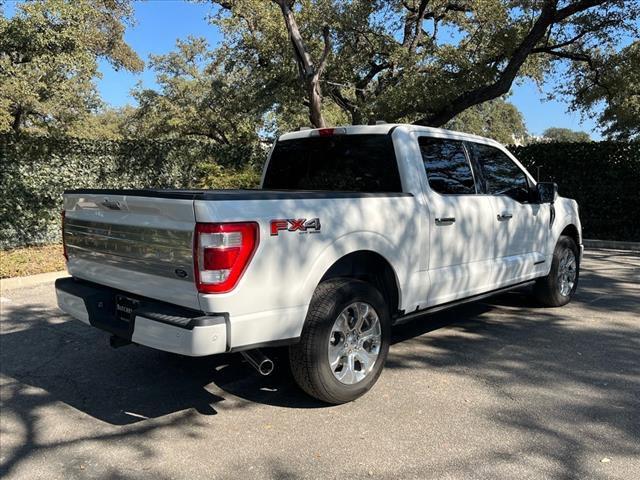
[353, 242]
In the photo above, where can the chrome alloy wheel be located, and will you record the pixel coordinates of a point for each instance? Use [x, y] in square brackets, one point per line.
[354, 343]
[567, 272]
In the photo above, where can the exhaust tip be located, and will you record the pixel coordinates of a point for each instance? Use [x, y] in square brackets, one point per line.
[258, 360]
[266, 367]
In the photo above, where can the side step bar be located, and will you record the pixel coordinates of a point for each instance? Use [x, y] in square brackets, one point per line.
[438, 308]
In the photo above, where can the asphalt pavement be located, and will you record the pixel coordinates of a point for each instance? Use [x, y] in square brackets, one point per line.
[501, 389]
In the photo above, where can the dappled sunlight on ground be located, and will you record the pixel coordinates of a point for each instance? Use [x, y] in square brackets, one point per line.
[499, 389]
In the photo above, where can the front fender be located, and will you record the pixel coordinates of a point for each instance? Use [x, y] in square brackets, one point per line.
[566, 215]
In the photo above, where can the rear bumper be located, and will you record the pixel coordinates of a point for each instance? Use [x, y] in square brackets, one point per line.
[153, 324]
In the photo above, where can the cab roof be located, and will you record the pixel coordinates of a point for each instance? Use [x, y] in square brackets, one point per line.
[384, 128]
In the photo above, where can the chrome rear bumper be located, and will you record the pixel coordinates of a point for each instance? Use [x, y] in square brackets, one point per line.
[151, 323]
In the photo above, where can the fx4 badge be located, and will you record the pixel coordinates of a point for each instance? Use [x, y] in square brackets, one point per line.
[301, 225]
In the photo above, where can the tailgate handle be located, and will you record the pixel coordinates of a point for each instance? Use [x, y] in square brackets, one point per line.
[445, 220]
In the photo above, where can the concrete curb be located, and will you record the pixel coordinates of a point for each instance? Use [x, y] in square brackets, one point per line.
[30, 280]
[633, 246]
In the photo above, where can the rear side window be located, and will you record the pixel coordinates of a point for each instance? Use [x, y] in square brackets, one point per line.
[447, 166]
[500, 175]
[352, 163]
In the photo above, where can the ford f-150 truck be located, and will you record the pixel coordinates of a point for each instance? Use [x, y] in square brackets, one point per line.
[353, 230]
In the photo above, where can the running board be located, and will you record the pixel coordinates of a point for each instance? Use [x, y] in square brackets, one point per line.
[445, 306]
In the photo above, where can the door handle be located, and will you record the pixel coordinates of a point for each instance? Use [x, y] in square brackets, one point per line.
[445, 220]
[504, 216]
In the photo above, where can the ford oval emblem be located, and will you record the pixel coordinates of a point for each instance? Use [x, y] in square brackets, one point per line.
[180, 273]
[111, 205]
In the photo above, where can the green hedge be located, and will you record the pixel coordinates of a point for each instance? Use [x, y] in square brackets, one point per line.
[36, 170]
[603, 177]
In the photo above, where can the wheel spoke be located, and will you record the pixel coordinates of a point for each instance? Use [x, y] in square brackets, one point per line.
[362, 310]
[346, 375]
[369, 335]
[366, 359]
[336, 352]
[342, 324]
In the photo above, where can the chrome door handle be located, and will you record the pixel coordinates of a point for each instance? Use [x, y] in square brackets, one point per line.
[445, 220]
[504, 216]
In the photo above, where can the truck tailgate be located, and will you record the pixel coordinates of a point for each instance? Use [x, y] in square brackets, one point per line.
[138, 244]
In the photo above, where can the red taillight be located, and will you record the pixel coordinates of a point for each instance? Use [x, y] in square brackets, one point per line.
[64, 241]
[222, 252]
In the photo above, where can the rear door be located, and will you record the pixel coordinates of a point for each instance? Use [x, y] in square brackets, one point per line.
[139, 244]
[461, 226]
[521, 225]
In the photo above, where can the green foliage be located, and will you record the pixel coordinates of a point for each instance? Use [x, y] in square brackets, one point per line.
[613, 81]
[558, 134]
[197, 98]
[603, 177]
[104, 124]
[36, 171]
[49, 52]
[495, 119]
[416, 60]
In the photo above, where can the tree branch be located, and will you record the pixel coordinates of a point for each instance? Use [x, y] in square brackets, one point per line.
[325, 53]
[418, 28]
[548, 16]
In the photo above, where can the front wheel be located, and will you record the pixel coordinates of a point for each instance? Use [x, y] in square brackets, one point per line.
[344, 342]
[557, 288]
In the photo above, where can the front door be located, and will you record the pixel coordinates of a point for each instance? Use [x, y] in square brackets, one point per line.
[461, 227]
[521, 224]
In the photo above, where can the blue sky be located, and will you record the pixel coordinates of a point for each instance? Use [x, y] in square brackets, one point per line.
[159, 23]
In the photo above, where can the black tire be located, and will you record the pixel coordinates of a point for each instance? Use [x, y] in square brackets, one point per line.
[547, 290]
[309, 358]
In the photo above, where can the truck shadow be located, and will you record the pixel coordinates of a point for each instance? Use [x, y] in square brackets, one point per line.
[73, 363]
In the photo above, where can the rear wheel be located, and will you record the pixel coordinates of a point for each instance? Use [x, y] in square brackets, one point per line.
[557, 288]
[344, 342]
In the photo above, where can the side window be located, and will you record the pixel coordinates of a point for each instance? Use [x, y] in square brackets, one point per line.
[500, 176]
[447, 166]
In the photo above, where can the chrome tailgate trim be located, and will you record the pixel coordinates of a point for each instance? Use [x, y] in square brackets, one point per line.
[150, 250]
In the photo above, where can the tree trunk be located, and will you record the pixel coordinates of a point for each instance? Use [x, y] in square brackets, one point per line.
[309, 73]
[315, 104]
[17, 119]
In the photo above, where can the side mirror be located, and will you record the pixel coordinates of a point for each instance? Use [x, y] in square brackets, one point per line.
[547, 192]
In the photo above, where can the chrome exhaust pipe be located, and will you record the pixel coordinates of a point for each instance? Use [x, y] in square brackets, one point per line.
[259, 361]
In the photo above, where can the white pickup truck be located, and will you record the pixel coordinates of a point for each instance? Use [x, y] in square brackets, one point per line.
[353, 230]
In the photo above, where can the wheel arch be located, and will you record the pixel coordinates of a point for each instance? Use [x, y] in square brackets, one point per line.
[570, 230]
[370, 267]
[361, 246]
